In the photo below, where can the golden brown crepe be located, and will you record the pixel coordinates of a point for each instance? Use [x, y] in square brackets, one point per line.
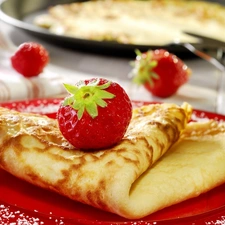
[32, 148]
[194, 165]
[154, 22]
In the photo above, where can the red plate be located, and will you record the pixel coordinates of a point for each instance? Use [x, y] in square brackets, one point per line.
[24, 204]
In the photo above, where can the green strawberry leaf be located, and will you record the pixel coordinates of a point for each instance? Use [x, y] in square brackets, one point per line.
[91, 108]
[70, 88]
[143, 68]
[80, 112]
[88, 97]
[100, 102]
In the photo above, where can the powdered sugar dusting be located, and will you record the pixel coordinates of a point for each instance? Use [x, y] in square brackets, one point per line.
[40, 106]
[203, 117]
[16, 217]
[10, 215]
[219, 221]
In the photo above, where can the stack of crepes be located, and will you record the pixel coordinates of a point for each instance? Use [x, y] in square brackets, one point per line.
[162, 160]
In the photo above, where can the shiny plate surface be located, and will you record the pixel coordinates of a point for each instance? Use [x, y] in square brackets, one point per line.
[23, 203]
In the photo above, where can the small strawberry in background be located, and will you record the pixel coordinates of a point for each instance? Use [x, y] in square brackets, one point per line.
[30, 59]
[161, 72]
[95, 115]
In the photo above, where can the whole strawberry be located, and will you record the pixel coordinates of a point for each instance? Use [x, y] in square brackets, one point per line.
[161, 72]
[95, 115]
[30, 59]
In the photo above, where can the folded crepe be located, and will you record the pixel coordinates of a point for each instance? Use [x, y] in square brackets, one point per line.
[192, 166]
[157, 163]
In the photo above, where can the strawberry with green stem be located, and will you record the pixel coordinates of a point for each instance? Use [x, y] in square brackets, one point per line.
[95, 115]
[162, 73]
